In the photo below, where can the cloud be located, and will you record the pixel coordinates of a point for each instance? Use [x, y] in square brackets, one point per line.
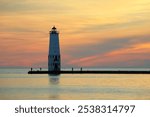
[29, 6]
[130, 59]
[89, 30]
[107, 45]
[125, 52]
[22, 49]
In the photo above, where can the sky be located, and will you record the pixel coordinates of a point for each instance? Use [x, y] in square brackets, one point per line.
[93, 33]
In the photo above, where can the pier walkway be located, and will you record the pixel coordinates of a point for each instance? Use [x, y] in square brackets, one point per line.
[90, 72]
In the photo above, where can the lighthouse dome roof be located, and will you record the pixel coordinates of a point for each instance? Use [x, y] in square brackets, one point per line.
[54, 28]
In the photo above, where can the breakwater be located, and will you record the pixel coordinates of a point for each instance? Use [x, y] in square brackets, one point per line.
[90, 72]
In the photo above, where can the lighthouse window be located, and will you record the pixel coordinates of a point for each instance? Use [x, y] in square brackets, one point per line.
[55, 59]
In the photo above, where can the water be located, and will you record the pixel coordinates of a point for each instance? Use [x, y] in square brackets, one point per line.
[17, 84]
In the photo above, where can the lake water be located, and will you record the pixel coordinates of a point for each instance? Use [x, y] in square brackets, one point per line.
[17, 84]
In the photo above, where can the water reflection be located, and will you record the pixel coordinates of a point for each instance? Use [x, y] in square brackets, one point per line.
[54, 83]
[54, 79]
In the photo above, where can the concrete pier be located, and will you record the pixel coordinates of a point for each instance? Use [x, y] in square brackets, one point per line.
[89, 72]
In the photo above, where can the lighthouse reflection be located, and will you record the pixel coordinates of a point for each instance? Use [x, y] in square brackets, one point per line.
[54, 84]
[54, 79]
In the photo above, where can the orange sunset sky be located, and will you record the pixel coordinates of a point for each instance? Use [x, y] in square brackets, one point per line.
[93, 33]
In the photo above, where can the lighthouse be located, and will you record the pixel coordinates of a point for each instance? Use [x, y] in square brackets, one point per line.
[54, 59]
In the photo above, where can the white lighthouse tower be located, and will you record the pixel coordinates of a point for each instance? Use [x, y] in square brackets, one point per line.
[54, 60]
